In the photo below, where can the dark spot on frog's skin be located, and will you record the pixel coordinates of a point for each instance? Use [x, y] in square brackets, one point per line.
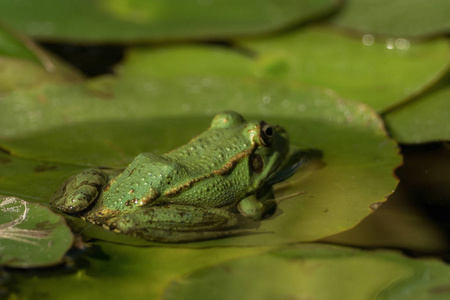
[325, 210]
[43, 168]
[148, 211]
[89, 183]
[106, 188]
[132, 171]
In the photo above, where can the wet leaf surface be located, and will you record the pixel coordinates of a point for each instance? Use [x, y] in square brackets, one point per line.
[107, 121]
[31, 235]
[401, 18]
[140, 20]
[317, 272]
[425, 118]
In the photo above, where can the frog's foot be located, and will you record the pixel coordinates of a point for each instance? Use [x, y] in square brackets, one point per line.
[79, 191]
[257, 209]
[178, 223]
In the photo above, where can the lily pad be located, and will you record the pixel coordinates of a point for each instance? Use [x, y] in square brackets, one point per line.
[119, 271]
[12, 46]
[31, 235]
[400, 18]
[423, 119]
[153, 107]
[143, 20]
[18, 53]
[379, 73]
[359, 157]
[32, 180]
[317, 272]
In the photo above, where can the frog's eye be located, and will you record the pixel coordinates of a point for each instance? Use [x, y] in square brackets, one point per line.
[266, 134]
[256, 163]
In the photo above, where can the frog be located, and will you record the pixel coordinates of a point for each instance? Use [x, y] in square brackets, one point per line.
[195, 192]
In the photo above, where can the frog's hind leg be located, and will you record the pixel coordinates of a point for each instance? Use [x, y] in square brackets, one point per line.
[178, 223]
[79, 191]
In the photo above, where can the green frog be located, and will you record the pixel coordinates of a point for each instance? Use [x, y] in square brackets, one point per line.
[190, 193]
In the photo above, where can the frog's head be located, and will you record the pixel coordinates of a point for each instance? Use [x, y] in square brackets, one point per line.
[267, 148]
[271, 146]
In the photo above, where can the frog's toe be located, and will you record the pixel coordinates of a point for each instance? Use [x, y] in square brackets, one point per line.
[79, 191]
[74, 203]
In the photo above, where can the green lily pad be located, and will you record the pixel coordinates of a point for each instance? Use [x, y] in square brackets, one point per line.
[359, 157]
[423, 119]
[31, 235]
[381, 73]
[18, 53]
[119, 271]
[154, 107]
[317, 272]
[401, 18]
[138, 20]
[32, 180]
[12, 46]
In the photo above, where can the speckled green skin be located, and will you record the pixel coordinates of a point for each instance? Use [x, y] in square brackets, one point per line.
[185, 194]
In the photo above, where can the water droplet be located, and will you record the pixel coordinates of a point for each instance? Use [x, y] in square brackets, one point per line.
[402, 44]
[368, 40]
[186, 107]
[266, 99]
[390, 44]
[301, 107]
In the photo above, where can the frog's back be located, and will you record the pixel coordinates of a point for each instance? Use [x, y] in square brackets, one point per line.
[144, 180]
[205, 163]
[210, 150]
[193, 174]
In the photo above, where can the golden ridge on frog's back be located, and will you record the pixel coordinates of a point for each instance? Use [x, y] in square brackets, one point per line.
[224, 166]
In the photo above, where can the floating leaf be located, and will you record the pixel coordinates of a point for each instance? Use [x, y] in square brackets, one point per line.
[32, 180]
[138, 20]
[12, 46]
[414, 216]
[400, 18]
[424, 119]
[358, 156]
[18, 53]
[119, 271]
[380, 73]
[156, 107]
[31, 235]
[317, 272]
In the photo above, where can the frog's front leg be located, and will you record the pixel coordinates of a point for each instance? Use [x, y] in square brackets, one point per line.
[177, 223]
[257, 205]
[79, 191]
